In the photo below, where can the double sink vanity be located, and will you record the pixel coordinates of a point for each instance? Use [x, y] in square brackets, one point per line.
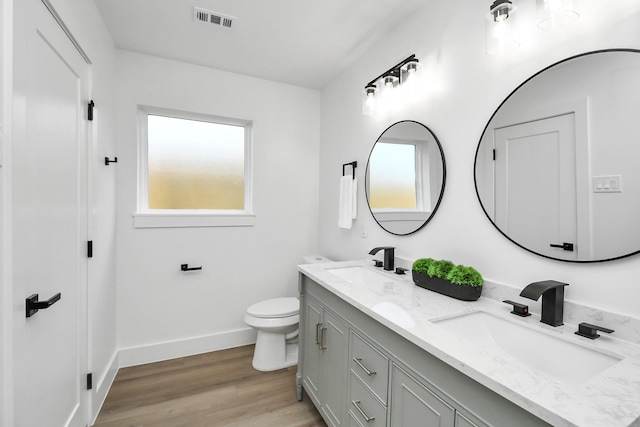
[376, 350]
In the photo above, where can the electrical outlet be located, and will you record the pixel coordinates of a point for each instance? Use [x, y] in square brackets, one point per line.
[364, 231]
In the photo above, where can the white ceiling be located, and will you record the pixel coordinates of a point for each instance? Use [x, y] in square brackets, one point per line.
[300, 42]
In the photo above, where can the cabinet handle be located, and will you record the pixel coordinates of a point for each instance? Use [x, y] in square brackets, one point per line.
[364, 368]
[317, 333]
[322, 346]
[365, 416]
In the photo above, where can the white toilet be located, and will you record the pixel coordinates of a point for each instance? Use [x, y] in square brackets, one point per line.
[277, 323]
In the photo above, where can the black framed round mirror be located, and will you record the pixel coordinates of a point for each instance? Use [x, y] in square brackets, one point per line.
[556, 166]
[405, 177]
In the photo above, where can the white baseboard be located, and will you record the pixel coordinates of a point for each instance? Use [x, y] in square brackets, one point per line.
[186, 347]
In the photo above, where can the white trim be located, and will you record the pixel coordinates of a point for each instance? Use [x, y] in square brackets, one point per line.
[177, 220]
[165, 218]
[102, 386]
[6, 211]
[417, 144]
[187, 347]
[400, 215]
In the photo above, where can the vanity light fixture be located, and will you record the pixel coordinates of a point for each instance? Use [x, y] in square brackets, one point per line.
[380, 89]
[554, 14]
[501, 36]
[369, 100]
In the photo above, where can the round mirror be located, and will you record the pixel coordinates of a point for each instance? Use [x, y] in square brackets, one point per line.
[405, 177]
[556, 168]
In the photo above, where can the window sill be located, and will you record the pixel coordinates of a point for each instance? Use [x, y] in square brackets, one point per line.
[179, 220]
[400, 215]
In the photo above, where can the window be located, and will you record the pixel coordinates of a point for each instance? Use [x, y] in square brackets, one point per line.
[194, 170]
[393, 176]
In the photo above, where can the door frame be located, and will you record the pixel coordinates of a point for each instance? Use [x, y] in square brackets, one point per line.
[6, 235]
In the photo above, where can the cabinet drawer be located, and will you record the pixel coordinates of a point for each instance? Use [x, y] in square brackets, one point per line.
[364, 407]
[371, 366]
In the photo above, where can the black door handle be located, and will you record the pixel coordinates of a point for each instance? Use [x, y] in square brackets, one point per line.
[33, 305]
[565, 246]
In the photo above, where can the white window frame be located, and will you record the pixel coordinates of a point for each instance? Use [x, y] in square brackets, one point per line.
[173, 218]
[401, 214]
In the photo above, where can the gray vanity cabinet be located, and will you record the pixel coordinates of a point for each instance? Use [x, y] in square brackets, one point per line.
[324, 353]
[358, 372]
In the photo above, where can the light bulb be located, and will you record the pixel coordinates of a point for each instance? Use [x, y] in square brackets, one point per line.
[499, 25]
[554, 14]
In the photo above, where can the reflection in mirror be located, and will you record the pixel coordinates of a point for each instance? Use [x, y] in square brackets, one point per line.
[556, 166]
[405, 177]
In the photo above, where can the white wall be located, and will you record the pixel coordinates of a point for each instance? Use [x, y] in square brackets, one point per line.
[465, 87]
[163, 312]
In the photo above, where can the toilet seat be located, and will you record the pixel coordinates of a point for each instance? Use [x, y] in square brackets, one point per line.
[275, 308]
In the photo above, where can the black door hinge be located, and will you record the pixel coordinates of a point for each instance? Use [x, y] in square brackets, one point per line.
[89, 381]
[90, 249]
[494, 154]
[90, 110]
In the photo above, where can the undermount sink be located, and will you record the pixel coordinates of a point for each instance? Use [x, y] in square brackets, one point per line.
[361, 276]
[552, 356]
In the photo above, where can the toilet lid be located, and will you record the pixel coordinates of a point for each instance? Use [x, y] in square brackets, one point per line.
[277, 307]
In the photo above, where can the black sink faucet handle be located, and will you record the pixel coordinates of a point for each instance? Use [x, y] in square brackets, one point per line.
[521, 310]
[590, 331]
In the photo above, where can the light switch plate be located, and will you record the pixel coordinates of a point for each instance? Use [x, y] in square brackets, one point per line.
[364, 232]
[607, 184]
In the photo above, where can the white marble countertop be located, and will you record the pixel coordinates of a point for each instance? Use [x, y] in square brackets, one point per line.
[609, 399]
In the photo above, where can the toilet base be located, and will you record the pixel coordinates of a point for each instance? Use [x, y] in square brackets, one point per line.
[273, 352]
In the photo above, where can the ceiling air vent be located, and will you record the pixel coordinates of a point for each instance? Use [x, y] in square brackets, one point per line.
[212, 18]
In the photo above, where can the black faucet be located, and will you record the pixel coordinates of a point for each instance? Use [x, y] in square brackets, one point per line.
[552, 300]
[389, 256]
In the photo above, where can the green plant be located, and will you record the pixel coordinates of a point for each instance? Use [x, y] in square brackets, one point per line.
[463, 275]
[422, 265]
[440, 268]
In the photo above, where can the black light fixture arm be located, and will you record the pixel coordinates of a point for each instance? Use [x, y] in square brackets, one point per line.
[393, 71]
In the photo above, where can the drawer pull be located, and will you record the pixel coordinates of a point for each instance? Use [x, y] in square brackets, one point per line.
[364, 368]
[322, 346]
[317, 333]
[365, 416]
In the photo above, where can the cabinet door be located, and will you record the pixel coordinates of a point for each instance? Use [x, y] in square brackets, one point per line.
[413, 404]
[311, 349]
[334, 342]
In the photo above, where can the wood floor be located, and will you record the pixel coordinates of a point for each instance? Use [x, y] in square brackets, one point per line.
[212, 389]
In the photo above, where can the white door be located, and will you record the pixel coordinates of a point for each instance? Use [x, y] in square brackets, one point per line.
[535, 197]
[49, 222]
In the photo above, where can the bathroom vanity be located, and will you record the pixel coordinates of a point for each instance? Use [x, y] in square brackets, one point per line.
[376, 350]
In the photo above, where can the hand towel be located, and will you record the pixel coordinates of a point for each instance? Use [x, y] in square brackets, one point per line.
[354, 209]
[345, 207]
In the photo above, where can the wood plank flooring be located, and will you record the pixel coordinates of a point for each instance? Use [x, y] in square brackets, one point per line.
[213, 389]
